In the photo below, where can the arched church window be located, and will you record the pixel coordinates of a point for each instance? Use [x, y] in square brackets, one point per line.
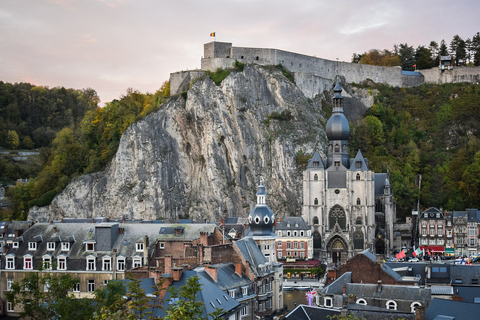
[337, 215]
[358, 201]
[315, 202]
[358, 240]
[358, 176]
[337, 148]
[315, 220]
[315, 177]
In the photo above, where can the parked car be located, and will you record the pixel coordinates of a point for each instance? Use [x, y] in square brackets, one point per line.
[413, 259]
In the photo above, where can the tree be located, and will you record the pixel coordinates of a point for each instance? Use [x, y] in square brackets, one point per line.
[423, 58]
[380, 58]
[475, 48]
[47, 296]
[458, 49]
[407, 55]
[183, 303]
[13, 141]
[443, 51]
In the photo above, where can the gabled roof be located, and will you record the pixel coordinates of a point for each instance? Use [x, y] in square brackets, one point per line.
[210, 294]
[456, 309]
[472, 215]
[380, 179]
[316, 158]
[336, 287]
[252, 254]
[304, 312]
[292, 223]
[431, 213]
[227, 278]
[359, 158]
[394, 292]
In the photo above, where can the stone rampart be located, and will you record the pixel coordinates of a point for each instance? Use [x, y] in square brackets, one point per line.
[313, 75]
[180, 81]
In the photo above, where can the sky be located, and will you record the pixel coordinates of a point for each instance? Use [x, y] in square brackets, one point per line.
[114, 45]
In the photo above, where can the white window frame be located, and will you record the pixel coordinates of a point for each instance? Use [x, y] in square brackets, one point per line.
[139, 247]
[15, 244]
[328, 301]
[107, 263]
[10, 263]
[10, 282]
[244, 291]
[279, 254]
[26, 266]
[231, 293]
[90, 285]
[161, 245]
[76, 287]
[91, 262]
[89, 246]
[121, 263]
[47, 259]
[50, 246]
[362, 301]
[413, 305]
[32, 246]
[391, 305]
[66, 246]
[61, 262]
[244, 310]
[10, 307]
[136, 262]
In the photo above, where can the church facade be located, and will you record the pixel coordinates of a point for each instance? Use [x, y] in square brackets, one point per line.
[349, 207]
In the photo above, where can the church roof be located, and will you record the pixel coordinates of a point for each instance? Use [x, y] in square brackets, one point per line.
[380, 179]
[359, 158]
[316, 158]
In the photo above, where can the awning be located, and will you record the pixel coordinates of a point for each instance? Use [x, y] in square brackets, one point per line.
[433, 248]
[449, 250]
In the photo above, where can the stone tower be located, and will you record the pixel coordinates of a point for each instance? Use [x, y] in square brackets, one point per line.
[349, 207]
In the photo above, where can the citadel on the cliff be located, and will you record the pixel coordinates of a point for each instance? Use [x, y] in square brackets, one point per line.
[312, 74]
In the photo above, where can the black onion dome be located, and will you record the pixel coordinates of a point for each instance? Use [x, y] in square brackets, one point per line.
[261, 220]
[338, 127]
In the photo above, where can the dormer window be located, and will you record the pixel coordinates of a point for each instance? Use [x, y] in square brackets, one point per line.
[32, 246]
[28, 262]
[90, 246]
[91, 265]
[121, 263]
[10, 264]
[231, 293]
[66, 246]
[139, 246]
[15, 244]
[358, 165]
[47, 262]
[62, 262]
[50, 246]
[137, 262]
[244, 291]
[266, 219]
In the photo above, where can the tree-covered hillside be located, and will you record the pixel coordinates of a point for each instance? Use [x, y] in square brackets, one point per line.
[82, 137]
[431, 130]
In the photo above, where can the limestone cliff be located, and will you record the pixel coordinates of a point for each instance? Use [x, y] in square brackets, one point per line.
[203, 155]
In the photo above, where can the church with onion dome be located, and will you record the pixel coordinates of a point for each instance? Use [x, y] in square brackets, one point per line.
[261, 225]
[349, 207]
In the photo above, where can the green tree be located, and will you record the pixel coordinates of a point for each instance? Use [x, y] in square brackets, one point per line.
[47, 296]
[470, 183]
[458, 49]
[186, 306]
[13, 141]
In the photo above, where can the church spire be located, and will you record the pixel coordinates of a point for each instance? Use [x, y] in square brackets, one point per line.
[261, 192]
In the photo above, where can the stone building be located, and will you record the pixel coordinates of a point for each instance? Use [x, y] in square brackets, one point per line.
[349, 207]
[432, 224]
[294, 239]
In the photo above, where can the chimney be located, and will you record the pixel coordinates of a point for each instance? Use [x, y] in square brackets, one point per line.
[93, 220]
[123, 220]
[379, 285]
[145, 250]
[204, 238]
[178, 231]
[238, 268]
[168, 263]
[344, 289]
[177, 274]
[54, 229]
[121, 230]
[420, 313]
[213, 272]
[61, 220]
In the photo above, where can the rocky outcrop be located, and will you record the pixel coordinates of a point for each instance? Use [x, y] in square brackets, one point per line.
[202, 155]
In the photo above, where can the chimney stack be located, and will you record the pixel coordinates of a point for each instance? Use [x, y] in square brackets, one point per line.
[420, 313]
[379, 285]
[238, 268]
[177, 273]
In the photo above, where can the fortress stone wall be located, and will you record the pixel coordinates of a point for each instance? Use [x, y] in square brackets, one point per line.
[312, 74]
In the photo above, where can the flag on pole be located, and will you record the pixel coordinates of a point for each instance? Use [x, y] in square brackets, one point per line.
[414, 65]
[417, 252]
[400, 255]
[212, 34]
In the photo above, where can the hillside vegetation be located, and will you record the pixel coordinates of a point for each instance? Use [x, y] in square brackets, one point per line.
[73, 134]
[432, 131]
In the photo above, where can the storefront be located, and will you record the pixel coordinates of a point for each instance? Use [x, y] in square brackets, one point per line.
[435, 250]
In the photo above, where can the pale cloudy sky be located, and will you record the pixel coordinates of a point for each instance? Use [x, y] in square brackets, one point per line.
[112, 45]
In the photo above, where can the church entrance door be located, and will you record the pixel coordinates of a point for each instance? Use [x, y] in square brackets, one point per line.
[338, 250]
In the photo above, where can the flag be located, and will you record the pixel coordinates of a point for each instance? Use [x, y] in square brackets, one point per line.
[400, 255]
[212, 34]
[414, 65]
[417, 252]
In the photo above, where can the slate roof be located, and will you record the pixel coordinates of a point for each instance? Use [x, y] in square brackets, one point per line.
[379, 179]
[464, 272]
[359, 157]
[210, 294]
[460, 214]
[456, 309]
[253, 255]
[304, 312]
[468, 294]
[473, 215]
[336, 287]
[316, 158]
[431, 213]
[228, 279]
[394, 292]
[411, 73]
[292, 223]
